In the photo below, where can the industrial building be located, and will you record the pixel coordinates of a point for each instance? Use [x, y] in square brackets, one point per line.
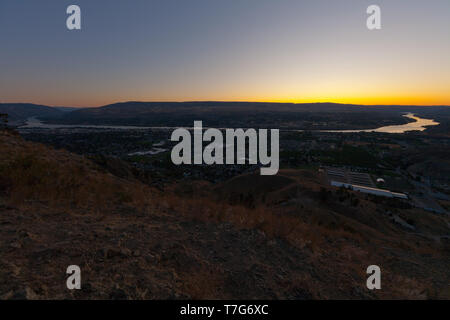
[369, 190]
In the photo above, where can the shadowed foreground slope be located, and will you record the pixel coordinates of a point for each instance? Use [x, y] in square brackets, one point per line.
[134, 242]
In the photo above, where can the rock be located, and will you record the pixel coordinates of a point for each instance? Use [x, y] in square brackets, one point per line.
[16, 245]
[111, 253]
[125, 252]
[118, 294]
[136, 253]
[24, 234]
[7, 295]
[21, 294]
[30, 294]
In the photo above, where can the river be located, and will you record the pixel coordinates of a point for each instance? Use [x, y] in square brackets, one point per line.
[420, 124]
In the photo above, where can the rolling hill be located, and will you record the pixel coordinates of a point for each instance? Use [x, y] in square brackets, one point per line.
[22, 111]
[132, 241]
[312, 116]
[246, 114]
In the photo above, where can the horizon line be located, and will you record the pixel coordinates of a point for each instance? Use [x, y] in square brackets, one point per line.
[231, 101]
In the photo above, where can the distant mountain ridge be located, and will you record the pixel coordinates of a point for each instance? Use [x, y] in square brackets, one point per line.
[308, 116]
[22, 111]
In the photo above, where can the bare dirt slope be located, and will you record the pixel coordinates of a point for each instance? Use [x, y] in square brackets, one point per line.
[134, 242]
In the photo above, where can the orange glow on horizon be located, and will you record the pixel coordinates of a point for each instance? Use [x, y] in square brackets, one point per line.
[394, 101]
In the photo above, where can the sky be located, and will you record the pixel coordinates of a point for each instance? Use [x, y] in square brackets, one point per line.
[227, 50]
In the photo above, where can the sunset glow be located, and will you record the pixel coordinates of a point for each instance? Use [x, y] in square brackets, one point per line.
[285, 51]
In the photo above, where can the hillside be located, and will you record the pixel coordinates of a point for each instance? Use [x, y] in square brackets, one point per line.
[22, 111]
[307, 116]
[310, 116]
[302, 241]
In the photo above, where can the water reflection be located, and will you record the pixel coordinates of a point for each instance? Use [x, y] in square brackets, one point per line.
[419, 125]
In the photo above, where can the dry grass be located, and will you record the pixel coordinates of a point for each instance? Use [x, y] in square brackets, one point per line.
[272, 222]
[30, 173]
[62, 182]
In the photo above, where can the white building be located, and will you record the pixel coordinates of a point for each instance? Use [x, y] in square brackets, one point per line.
[374, 191]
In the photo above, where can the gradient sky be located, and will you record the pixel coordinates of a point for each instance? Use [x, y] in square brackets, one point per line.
[253, 50]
